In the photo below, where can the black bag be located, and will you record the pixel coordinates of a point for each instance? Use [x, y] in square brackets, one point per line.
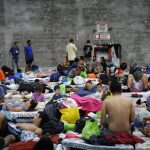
[51, 110]
[53, 127]
[29, 87]
[80, 125]
[18, 81]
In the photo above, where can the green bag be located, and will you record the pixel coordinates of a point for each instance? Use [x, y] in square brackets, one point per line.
[68, 127]
[91, 128]
[62, 89]
[83, 74]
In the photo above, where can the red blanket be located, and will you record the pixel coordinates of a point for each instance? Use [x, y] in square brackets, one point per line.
[124, 138]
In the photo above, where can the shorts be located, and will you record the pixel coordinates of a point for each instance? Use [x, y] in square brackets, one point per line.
[105, 131]
[29, 61]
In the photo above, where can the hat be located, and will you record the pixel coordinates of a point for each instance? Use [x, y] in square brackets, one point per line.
[1, 92]
[148, 101]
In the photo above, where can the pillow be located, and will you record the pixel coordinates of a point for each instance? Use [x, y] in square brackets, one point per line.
[78, 80]
[14, 115]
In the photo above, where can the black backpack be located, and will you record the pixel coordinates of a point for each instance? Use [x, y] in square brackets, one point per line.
[51, 110]
[79, 125]
[53, 127]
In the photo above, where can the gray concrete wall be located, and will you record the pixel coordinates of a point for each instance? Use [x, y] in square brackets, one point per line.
[51, 23]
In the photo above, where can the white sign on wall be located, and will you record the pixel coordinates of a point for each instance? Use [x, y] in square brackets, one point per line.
[102, 26]
[104, 36]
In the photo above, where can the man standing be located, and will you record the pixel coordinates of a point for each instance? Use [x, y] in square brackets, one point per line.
[28, 55]
[88, 52]
[14, 52]
[119, 110]
[71, 50]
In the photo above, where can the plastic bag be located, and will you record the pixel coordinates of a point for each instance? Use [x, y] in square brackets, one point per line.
[70, 115]
[68, 127]
[91, 128]
[62, 89]
[83, 74]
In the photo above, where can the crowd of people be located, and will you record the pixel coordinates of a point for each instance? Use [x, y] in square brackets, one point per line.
[117, 112]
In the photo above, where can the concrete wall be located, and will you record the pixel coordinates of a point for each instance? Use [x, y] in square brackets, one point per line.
[51, 23]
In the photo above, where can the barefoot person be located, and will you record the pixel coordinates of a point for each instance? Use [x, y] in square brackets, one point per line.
[119, 110]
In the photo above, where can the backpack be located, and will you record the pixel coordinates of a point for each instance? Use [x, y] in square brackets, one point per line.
[34, 67]
[53, 127]
[79, 125]
[51, 110]
[18, 81]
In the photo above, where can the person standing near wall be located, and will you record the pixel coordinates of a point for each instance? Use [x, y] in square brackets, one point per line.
[28, 55]
[71, 50]
[87, 52]
[14, 52]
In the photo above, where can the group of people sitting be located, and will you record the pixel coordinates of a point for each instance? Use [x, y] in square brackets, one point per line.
[111, 82]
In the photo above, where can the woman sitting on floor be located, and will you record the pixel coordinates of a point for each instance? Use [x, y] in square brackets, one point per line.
[137, 82]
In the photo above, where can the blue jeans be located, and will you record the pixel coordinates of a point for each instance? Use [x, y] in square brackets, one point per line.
[15, 62]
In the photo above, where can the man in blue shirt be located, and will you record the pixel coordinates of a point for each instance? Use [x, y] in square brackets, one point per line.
[28, 55]
[14, 52]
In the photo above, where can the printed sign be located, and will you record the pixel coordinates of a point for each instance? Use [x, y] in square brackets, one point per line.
[102, 26]
[104, 36]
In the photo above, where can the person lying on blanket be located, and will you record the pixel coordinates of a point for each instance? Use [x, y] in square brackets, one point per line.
[36, 125]
[90, 87]
[119, 110]
[145, 129]
[5, 137]
[20, 106]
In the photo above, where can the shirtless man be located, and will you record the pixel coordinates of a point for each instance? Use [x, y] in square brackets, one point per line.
[36, 124]
[119, 110]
